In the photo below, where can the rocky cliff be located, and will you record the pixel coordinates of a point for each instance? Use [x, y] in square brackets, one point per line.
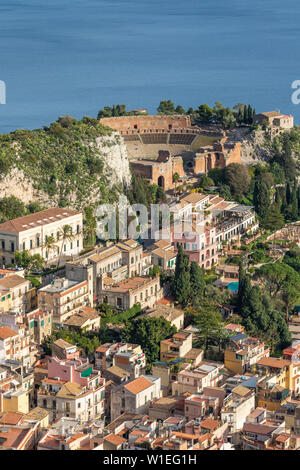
[75, 164]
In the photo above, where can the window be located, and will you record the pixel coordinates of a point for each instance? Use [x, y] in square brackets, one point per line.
[24, 246]
[77, 229]
[31, 244]
[38, 241]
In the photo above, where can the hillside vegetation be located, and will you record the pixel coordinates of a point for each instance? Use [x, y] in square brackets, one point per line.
[64, 162]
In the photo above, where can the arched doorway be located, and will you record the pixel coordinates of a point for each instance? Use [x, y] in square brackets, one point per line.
[161, 181]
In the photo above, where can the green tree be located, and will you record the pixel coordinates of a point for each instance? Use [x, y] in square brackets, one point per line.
[11, 208]
[206, 181]
[238, 179]
[261, 199]
[148, 332]
[175, 179]
[274, 220]
[275, 275]
[180, 110]
[66, 235]
[197, 283]
[89, 227]
[49, 245]
[208, 322]
[181, 284]
[205, 114]
[166, 107]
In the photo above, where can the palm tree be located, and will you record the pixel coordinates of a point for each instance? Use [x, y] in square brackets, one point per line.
[66, 236]
[49, 244]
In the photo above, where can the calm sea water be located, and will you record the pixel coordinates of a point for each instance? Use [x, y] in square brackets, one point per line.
[76, 56]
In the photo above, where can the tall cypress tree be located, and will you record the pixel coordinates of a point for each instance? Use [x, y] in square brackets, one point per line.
[244, 289]
[295, 208]
[245, 117]
[181, 285]
[249, 114]
[261, 198]
[288, 193]
[197, 283]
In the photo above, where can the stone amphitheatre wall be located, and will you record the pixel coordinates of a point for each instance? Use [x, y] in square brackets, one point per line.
[123, 124]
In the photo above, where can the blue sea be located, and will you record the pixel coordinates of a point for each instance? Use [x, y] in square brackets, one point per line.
[75, 56]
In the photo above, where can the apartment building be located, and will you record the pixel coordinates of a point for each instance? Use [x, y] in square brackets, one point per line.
[124, 294]
[17, 293]
[31, 231]
[237, 221]
[270, 394]
[70, 434]
[64, 298]
[19, 437]
[129, 357]
[275, 118]
[108, 262]
[198, 406]
[134, 396]
[163, 255]
[15, 344]
[180, 346]
[72, 389]
[132, 256]
[207, 374]
[236, 407]
[85, 319]
[16, 387]
[64, 350]
[39, 323]
[174, 315]
[242, 352]
[198, 241]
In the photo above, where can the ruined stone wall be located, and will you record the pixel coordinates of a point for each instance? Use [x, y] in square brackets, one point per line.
[125, 123]
[217, 156]
[235, 154]
[159, 172]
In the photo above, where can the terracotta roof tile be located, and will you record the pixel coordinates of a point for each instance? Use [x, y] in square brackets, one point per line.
[138, 385]
[37, 219]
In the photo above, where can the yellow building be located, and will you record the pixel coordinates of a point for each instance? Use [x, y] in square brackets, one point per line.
[281, 367]
[243, 352]
[15, 401]
[269, 394]
[38, 414]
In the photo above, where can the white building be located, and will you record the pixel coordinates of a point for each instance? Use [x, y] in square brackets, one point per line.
[134, 396]
[31, 232]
